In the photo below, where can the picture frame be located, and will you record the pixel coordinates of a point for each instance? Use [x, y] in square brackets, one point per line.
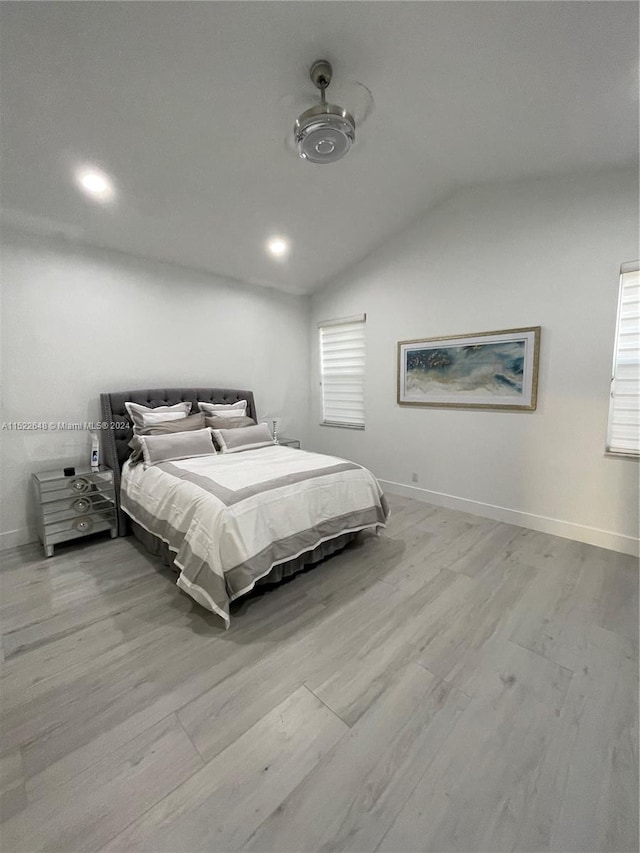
[484, 370]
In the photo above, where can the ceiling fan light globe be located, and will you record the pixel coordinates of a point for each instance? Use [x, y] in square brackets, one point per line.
[324, 134]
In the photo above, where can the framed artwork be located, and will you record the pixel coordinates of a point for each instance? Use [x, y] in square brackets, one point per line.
[487, 370]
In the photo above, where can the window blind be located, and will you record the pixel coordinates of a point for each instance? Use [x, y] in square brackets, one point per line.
[342, 369]
[624, 412]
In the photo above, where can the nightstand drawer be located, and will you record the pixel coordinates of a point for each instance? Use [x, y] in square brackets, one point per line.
[54, 501]
[63, 531]
[76, 483]
[72, 486]
[82, 505]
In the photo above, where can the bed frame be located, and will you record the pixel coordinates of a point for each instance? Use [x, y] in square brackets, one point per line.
[115, 439]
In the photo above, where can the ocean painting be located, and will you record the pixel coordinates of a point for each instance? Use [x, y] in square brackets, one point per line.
[489, 369]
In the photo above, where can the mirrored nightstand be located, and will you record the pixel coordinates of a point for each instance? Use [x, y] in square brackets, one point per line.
[289, 442]
[70, 507]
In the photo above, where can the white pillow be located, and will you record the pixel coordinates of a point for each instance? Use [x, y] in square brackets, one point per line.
[224, 410]
[154, 418]
[177, 445]
[243, 438]
[137, 413]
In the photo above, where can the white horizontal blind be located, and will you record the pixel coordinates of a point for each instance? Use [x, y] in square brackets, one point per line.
[342, 368]
[624, 412]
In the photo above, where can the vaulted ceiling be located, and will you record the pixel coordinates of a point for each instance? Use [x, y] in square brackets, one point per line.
[187, 107]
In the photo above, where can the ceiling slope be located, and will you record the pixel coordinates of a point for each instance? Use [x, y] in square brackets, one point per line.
[187, 106]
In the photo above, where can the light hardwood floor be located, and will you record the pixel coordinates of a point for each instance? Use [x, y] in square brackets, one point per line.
[454, 684]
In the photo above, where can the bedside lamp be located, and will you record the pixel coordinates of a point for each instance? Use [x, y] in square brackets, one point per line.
[274, 425]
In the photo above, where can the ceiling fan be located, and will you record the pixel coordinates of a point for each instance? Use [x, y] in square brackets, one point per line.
[325, 132]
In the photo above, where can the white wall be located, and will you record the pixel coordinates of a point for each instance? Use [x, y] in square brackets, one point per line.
[541, 252]
[77, 322]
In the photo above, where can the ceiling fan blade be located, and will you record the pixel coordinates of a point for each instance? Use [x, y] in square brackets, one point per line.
[294, 103]
[361, 144]
[355, 97]
[289, 144]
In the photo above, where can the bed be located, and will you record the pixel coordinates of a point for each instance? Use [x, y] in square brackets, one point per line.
[230, 521]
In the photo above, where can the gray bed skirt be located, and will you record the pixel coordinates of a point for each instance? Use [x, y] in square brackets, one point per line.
[277, 574]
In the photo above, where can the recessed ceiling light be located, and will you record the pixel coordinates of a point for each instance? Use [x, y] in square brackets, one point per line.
[95, 183]
[278, 247]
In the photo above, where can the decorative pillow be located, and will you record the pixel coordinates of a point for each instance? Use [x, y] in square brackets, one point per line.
[228, 423]
[224, 410]
[178, 445]
[244, 438]
[161, 417]
[139, 413]
[191, 422]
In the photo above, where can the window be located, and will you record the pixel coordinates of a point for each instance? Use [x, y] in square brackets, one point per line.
[342, 365]
[624, 411]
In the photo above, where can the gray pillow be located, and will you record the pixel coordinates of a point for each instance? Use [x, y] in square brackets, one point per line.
[224, 410]
[229, 423]
[244, 438]
[178, 445]
[182, 425]
[165, 427]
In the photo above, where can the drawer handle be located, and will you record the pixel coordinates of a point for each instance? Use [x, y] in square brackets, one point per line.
[83, 525]
[81, 505]
[80, 485]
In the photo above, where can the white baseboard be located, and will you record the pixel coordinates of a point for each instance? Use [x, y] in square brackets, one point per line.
[568, 529]
[21, 536]
[555, 526]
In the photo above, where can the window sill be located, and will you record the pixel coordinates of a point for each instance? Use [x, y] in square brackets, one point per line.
[618, 454]
[341, 426]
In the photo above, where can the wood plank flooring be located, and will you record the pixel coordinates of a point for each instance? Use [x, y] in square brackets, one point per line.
[454, 684]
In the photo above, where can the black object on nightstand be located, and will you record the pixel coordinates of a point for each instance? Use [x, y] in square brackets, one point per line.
[73, 506]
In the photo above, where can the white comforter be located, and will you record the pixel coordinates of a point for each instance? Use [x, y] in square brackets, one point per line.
[230, 518]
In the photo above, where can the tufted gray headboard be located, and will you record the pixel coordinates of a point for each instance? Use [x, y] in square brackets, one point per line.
[115, 442]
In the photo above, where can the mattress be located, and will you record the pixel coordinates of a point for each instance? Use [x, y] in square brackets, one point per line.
[231, 518]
